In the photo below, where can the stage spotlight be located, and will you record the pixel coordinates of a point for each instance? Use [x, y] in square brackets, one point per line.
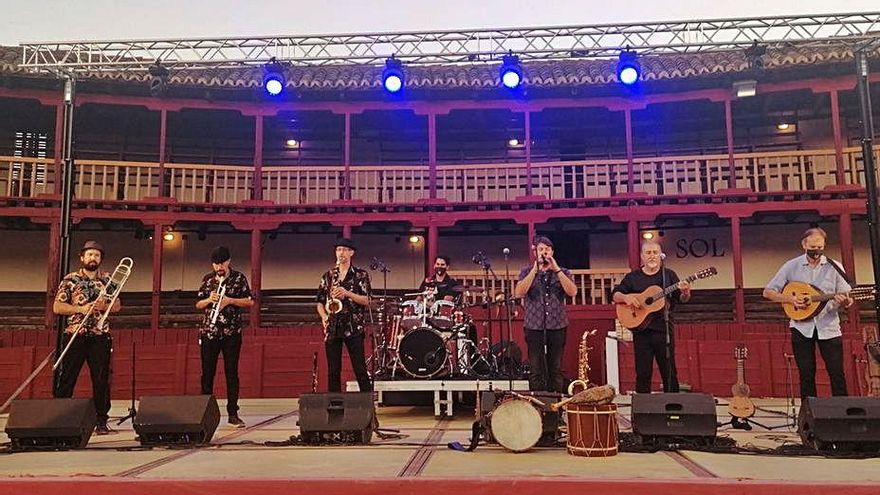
[169, 236]
[513, 142]
[273, 77]
[783, 126]
[414, 239]
[511, 72]
[648, 236]
[292, 143]
[392, 76]
[158, 79]
[628, 68]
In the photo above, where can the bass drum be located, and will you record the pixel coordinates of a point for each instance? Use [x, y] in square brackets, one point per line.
[423, 353]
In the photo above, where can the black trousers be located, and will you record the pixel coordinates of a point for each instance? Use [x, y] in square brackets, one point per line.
[355, 346]
[650, 346]
[547, 377]
[95, 350]
[805, 356]
[230, 347]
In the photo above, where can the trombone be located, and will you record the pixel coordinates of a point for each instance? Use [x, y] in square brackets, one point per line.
[111, 291]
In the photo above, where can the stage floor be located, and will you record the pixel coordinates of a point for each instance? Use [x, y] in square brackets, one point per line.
[240, 458]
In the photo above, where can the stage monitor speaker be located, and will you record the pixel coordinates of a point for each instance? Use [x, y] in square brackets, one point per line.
[337, 417]
[51, 423]
[673, 416]
[840, 423]
[176, 419]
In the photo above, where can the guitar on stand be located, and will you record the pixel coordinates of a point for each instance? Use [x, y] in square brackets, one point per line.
[741, 407]
[653, 299]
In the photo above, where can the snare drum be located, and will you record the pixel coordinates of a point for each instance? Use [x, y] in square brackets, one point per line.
[516, 424]
[592, 430]
[443, 314]
[423, 352]
[412, 314]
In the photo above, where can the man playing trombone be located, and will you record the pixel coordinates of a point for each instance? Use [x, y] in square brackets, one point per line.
[77, 298]
[223, 293]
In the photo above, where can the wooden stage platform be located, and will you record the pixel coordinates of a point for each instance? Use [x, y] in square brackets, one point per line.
[241, 461]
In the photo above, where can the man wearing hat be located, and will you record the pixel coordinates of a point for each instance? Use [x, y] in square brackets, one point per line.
[544, 287]
[223, 335]
[351, 286]
[76, 293]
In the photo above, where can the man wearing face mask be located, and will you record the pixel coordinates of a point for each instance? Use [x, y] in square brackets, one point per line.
[543, 287]
[823, 330]
[441, 281]
[224, 334]
[650, 342]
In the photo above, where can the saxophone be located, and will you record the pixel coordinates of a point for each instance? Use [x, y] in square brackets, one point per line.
[583, 380]
[333, 305]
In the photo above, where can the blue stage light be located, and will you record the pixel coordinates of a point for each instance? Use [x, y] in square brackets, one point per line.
[393, 78]
[628, 69]
[511, 72]
[273, 77]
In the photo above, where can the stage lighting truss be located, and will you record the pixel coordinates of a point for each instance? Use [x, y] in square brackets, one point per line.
[601, 41]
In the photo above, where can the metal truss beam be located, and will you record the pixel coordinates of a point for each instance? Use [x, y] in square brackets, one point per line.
[451, 47]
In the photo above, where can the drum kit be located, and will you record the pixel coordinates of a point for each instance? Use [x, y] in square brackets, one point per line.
[428, 337]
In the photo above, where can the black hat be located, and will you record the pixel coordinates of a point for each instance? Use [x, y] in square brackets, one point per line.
[220, 254]
[92, 245]
[543, 240]
[345, 242]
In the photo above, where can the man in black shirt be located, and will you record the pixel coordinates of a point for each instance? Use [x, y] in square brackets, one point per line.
[350, 286]
[223, 333]
[544, 287]
[649, 342]
[441, 281]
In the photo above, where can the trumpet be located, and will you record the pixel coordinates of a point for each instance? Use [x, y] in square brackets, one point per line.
[215, 311]
[109, 293]
[333, 305]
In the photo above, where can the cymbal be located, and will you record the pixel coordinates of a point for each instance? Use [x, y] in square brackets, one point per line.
[467, 288]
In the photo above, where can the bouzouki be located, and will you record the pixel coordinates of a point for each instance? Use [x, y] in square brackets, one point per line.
[741, 406]
[815, 299]
[653, 299]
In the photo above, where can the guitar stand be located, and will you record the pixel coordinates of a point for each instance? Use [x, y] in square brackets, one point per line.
[745, 424]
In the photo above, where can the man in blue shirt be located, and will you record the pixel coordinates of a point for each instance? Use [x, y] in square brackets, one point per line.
[824, 328]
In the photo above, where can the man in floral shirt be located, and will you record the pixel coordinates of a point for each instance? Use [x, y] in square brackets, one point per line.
[223, 335]
[352, 288]
[74, 299]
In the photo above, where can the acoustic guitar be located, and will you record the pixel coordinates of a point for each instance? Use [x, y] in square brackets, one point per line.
[653, 299]
[740, 405]
[816, 299]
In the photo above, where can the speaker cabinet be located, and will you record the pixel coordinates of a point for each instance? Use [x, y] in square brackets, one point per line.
[671, 416]
[176, 419]
[51, 423]
[338, 417]
[840, 423]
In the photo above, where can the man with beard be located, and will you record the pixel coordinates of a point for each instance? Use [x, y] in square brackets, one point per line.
[650, 342]
[351, 286]
[223, 335]
[823, 330]
[543, 286]
[441, 281]
[76, 293]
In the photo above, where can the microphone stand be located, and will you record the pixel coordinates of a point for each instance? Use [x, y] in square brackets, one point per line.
[132, 412]
[488, 301]
[508, 296]
[669, 364]
[379, 265]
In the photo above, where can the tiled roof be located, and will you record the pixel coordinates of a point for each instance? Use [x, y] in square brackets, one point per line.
[546, 73]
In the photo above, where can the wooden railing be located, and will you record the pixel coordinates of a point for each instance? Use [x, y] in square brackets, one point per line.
[594, 286]
[784, 171]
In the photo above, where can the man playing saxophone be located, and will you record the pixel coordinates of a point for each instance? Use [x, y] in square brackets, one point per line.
[343, 297]
[77, 298]
[222, 295]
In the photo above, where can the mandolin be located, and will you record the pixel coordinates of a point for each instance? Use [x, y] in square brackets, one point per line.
[740, 405]
[815, 299]
[653, 299]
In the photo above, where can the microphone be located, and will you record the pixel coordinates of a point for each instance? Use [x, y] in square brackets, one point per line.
[506, 251]
[478, 258]
[374, 264]
[662, 256]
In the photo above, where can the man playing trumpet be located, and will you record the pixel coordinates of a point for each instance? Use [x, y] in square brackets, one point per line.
[74, 299]
[343, 297]
[220, 331]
